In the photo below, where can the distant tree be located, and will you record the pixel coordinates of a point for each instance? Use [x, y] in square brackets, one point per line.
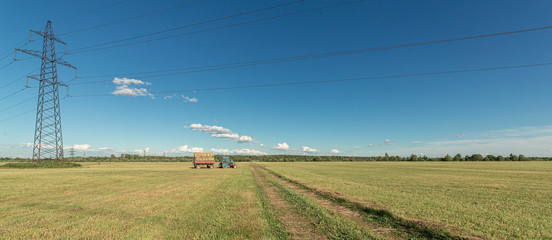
[413, 157]
[386, 157]
[447, 158]
[476, 157]
[458, 157]
[522, 158]
[513, 157]
[490, 157]
[500, 158]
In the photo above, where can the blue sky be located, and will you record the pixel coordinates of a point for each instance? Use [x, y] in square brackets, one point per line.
[488, 112]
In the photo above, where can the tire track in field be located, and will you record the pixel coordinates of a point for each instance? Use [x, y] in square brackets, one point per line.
[383, 232]
[390, 226]
[297, 226]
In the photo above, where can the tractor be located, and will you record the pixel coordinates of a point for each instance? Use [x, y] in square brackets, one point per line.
[225, 162]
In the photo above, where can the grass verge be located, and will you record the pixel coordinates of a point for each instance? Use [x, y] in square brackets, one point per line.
[45, 164]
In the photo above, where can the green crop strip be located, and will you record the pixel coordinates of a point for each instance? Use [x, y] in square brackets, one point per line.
[379, 216]
[325, 221]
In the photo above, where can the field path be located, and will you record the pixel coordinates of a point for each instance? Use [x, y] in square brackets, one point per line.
[297, 226]
[383, 232]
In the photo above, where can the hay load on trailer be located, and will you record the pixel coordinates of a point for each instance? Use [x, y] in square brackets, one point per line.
[206, 159]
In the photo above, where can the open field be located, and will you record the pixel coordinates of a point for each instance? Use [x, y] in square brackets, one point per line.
[332, 200]
[488, 199]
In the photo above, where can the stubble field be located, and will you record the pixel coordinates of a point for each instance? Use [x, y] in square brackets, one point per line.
[335, 200]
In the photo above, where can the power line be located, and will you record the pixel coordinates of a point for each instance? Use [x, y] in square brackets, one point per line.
[5, 66]
[23, 113]
[18, 115]
[9, 54]
[217, 28]
[11, 49]
[304, 57]
[337, 80]
[91, 11]
[17, 104]
[14, 81]
[130, 18]
[190, 25]
[16, 92]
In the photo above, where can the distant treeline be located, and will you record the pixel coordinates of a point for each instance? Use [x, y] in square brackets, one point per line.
[296, 158]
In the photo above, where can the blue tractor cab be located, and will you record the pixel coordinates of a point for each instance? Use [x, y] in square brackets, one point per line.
[225, 162]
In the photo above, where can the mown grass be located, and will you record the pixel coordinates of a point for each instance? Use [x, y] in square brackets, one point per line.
[497, 200]
[44, 164]
[385, 218]
[130, 200]
[326, 222]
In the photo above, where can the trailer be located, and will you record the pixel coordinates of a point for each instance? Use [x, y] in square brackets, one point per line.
[226, 162]
[204, 159]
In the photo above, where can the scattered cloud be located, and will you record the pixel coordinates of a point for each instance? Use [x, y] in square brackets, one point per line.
[281, 146]
[244, 139]
[128, 81]
[416, 142]
[244, 151]
[226, 135]
[189, 99]
[80, 147]
[460, 135]
[308, 149]
[388, 142]
[370, 145]
[335, 151]
[125, 88]
[220, 132]
[186, 149]
[355, 147]
[186, 98]
[208, 129]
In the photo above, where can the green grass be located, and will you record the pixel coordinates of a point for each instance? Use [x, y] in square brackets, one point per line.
[130, 200]
[44, 164]
[326, 222]
[495, 200]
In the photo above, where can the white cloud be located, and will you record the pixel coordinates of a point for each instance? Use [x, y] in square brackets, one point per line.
[168, 97]
[460, 135]
[124, 87]
[209, 129]
[416, 142]
[335, 151]
[220, 132]
[282, 146]
[226, 135]
[308, 149]
[129, 81]
[355, 147]
[244, 151]
[80, 147]
[370, 145]
[189, 99]
[244, 139]
[388, 142]
[220, 151]
[186, 149]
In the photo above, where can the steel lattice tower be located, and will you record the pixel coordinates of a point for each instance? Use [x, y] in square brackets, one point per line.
[48, 139]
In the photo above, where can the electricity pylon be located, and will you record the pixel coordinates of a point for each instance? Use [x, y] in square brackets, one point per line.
[48, 140]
